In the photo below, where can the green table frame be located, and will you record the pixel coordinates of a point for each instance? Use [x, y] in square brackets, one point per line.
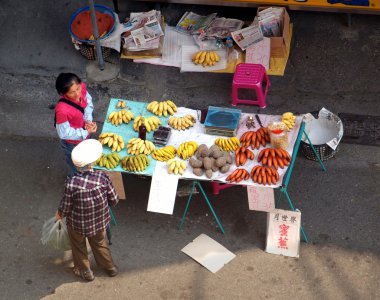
[283, 187]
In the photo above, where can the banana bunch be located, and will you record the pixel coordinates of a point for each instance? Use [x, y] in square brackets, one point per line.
[165, 153]
[109, 161]
[182, 123]
[150, 123]
[206, 58]
[135, 163]
[228, 144]
[121, 104]
[138, 146]
[176, 166]
[112, 140]
[289, 119]
[118, 117]
[187, 149]
[162, 108]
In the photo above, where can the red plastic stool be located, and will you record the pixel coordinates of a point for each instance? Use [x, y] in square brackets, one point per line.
[217, 187]
[250, 76]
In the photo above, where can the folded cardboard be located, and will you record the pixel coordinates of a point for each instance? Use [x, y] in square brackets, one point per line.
[278, 44]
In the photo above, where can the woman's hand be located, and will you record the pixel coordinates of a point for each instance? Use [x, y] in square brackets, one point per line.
[57, 216]
[91, 127]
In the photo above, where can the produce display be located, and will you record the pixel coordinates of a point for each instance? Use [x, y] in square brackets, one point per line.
[151, 123]
[121, 104]
[162, 108]
[289, 119]
[176, 166]
[187, 149]
[135, 163]
[264, 175]
[228, 144]
[238, 175]
[255, 139]
[276, 158]
[109, 161]
[139, 146]
[118, 117]
[165, 153]
[242, 154]
[205, 58]
[209, 160]
[112, 140]
[182, 123]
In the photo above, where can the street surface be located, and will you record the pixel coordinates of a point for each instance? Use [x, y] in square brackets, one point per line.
[331, 65]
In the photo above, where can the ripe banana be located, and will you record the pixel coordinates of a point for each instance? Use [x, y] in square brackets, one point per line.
[109, 161]
[176, 166]
[205, 58]
[150, 123]
[135, 163]
[289, 119]
[121, 104]
[228, 144]
[187, 149]
[165, 153]
[182, 123]
[163, 108]
[119, 117]
[138, 146]
[112, 140]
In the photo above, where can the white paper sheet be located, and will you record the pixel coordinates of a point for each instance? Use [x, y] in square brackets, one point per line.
[163, 190]
[189, 66]
[208, 253]
[259, 53]
[260, 198]
[283, 232]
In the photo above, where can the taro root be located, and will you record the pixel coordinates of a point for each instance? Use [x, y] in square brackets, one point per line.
[198, 171]
[225, 168]
[207, 163]
[195, 163]
[208, 173]
[221, 161]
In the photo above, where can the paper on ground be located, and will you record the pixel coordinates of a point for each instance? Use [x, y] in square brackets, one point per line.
[163, 191]
[208, 253]
[260, 198]
[189, 66]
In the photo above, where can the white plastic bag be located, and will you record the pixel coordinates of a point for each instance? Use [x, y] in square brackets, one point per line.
[54, 234]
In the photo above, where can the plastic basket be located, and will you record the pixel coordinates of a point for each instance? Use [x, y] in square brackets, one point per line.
[89, 51]
[99, 8]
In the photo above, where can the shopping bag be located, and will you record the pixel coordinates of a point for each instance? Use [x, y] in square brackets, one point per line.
[54, 234]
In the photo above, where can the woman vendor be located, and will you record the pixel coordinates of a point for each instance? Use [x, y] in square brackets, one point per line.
[73, 114]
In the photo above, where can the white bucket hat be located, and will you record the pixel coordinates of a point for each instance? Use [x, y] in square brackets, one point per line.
[86, 152]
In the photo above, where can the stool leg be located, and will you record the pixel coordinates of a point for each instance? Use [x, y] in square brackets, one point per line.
[215, 188]
[234, 96]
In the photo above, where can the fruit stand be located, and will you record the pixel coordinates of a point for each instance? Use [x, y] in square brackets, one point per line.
[190, 153]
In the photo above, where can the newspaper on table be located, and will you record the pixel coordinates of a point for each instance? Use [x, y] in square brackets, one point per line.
[145, 31]
[271, 21]
[192, 23]
[248, 36]
[221, 27]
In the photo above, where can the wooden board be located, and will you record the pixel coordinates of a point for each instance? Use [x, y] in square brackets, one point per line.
[117, 181]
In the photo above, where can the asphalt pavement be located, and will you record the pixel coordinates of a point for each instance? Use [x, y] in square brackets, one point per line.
[331, 65]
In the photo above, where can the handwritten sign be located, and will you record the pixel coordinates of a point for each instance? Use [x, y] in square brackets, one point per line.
[259, 53]
[283, 232]
[260, 198]
[163, 190]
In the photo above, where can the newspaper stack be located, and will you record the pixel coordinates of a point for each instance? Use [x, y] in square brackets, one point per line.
[271, 21]
[145, 31]
[192, 23]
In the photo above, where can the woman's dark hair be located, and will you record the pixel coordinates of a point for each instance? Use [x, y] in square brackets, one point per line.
[65, 81]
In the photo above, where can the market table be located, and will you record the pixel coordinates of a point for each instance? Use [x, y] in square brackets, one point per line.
[196, 133]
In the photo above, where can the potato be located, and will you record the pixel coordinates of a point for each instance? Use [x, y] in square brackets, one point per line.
[228, 157]
[207, 163]
[208, 173]
[217, 153]
[221, 161]
[198, 171]
[195, 163]
[214, 167]
[214, 147]
[225, 168]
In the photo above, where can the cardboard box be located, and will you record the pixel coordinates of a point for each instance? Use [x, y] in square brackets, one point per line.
[278, 44]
